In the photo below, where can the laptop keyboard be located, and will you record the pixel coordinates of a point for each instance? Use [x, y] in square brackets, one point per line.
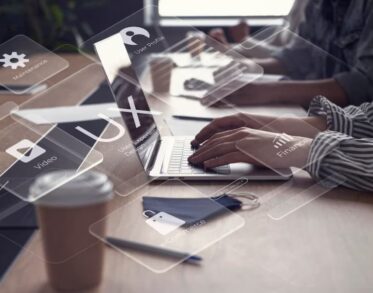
[179, 160]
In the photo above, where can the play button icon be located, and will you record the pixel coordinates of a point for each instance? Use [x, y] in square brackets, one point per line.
[25, 151]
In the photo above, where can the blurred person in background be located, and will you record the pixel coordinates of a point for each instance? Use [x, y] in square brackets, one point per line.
[257, 48]
[332, 56]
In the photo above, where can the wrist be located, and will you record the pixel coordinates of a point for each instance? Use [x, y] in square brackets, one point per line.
[299, 157]
[317, 125]
[318, 122]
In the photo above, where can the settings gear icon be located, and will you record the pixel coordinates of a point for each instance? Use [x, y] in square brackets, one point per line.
[14, 60]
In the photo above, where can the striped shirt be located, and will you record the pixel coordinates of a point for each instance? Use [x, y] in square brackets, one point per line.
[343, 155]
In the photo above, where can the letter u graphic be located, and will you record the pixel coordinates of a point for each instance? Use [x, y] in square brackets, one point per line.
[120, 128]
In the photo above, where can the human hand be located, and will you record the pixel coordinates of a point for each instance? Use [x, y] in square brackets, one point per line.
[296, 126]
[219, 35]
[246, 145]
[239, 32]
[222, 124]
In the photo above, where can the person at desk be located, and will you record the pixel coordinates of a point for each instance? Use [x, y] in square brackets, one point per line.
[337, 147]
[341, 28]
[259, 49]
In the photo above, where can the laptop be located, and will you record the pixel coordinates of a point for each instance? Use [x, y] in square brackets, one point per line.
[162, 157]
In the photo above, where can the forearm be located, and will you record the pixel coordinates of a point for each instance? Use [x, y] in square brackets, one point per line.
[299, 92]
[296, 126]
[271, 66]
[338, 159]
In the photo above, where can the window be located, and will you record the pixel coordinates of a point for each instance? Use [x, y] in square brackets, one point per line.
[219, 12]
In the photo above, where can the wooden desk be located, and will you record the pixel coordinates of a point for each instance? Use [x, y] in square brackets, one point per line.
[325, 246]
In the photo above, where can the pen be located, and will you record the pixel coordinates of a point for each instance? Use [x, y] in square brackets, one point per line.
[131, 245]
[195, 118]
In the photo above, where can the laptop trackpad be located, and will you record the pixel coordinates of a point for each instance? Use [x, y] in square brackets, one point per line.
[236, 169]
[241, 168]
[249, 169]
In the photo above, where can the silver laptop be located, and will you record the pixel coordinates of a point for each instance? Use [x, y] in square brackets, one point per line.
[162, 157]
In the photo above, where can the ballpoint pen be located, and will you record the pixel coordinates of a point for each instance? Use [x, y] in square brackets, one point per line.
[150, 249]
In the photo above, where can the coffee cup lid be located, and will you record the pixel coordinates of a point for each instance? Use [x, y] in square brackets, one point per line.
[88, 188]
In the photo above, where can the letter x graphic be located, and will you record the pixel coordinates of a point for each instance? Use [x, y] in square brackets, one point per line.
[134, 111]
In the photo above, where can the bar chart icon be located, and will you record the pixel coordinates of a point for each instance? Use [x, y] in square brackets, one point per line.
[281, 140]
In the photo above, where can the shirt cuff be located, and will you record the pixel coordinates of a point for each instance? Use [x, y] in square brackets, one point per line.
[322, 145]
[356, 86]
[336, 118]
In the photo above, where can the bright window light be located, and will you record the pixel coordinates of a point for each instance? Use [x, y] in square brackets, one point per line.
[224, 8]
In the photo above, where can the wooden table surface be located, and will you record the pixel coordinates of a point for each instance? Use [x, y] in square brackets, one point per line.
[297, 241]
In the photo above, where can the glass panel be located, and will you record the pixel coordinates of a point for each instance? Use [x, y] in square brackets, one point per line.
[166, 236]
[25, 62]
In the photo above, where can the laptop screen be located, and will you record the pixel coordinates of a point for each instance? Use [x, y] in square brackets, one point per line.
[129, 96]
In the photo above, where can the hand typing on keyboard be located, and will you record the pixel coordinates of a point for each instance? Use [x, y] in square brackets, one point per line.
[179, 164]
[247, 145]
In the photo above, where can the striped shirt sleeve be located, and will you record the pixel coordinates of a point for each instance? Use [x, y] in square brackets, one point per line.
[353, 121]
[343, 155]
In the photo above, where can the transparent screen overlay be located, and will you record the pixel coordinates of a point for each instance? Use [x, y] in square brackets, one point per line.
[166, 231]
[25, 64]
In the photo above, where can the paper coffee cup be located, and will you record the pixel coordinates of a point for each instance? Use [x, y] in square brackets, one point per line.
[160, 70]
[74, 257]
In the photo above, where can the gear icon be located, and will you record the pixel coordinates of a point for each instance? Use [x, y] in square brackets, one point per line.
[14, 60]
